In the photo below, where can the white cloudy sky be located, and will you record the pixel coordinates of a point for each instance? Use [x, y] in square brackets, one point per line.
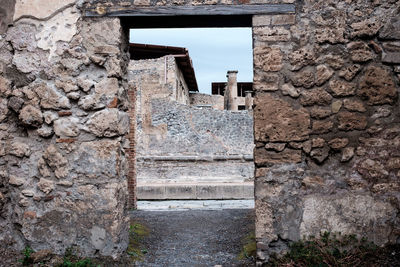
[214, 51]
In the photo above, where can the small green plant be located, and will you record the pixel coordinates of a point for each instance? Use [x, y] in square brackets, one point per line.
[79, 263]
[72, 260]
[249, 248]
[327, 250]
[26, 260]
[137, 232]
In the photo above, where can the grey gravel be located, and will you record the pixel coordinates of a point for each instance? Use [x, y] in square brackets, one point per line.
[195, 237]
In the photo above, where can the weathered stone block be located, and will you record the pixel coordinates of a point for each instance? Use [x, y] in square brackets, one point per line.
[271, 34]
[350, 72]
[360, 52]
[391, 53]
[31, 116]
[391, 29]
[108, 123]
[268, 58]
[67, 127]
[329, 35]
[303, 78]
[266, 82]
[342, 88]
[50, 98]
[320, 154]
[354, 105]
[377, 86]
[262, 157]
[334, 61]
[317, 96]
[365, 28]
[347, 154]
[104, 93]
[351, 121]
[372, 170]
[323, 74]
[289, 89]
[338, 143]
[320, 127]
[55, 160]
[302, 57]
[319, 112]
[283, 19]
[277, 121]
[348, 214]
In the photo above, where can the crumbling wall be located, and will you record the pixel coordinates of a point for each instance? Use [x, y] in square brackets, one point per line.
[199, 99]
[327, 122]
[63, 122]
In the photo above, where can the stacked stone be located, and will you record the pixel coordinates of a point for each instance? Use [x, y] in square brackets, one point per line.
[327, 125]
[63, 121]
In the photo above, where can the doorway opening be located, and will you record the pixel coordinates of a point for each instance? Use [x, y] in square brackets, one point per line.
[193, 130]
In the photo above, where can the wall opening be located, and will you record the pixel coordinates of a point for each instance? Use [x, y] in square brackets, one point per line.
[190, 144]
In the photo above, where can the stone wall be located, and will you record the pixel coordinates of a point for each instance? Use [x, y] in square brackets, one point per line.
[63, 120]
[327, 124]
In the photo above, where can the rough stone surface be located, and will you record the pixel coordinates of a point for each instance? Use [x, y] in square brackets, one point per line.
[351, 121]
[342, 88]
[350, 72]
[283, 124]
[360, 52]
[317, 96]
[45, 66]
[50, 98]
[66, 127]
[323, 74]
[108, 123]
[6, 13]
[318, 209]
[334, 61]
[305, 78]
[104, 93]
[377, 86]
[31, 116]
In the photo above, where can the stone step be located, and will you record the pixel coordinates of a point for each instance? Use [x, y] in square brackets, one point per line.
[194, 180]
[175, 205]
[195, 191]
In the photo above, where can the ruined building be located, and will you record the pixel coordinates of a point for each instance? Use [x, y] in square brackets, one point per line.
[326, 117]
[186, 149]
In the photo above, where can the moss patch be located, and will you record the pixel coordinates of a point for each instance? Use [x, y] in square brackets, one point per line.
[137, 232]
[249, 249]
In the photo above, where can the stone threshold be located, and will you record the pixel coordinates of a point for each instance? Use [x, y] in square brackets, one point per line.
[195, 191]
[196, 158]
[173, 205]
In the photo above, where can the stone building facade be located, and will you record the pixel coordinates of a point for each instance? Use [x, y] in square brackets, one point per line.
[326, 117]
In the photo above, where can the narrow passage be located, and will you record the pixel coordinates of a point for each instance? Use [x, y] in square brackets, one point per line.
[195, 237]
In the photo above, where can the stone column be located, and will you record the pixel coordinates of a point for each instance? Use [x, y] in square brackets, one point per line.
[249, 100]
[230, 94]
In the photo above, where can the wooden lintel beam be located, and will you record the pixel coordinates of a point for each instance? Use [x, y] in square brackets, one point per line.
[204, 10]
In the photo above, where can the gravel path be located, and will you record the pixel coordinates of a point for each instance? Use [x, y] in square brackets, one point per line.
[195, 237]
